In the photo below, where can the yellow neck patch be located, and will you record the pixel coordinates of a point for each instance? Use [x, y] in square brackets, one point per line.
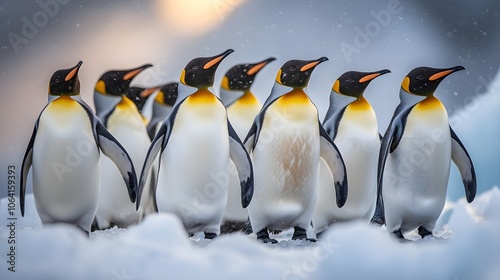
[201, 96]
[64, 103]
[248, 99]
[296, 96]
[126, 104]
[64, 100]
[430, 103]
[360, 104]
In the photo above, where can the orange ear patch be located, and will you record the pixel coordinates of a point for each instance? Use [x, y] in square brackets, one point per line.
[406, 84]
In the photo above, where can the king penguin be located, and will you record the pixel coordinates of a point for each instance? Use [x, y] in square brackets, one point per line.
[127, 125]
[109, 88]
[286, 141]
[352, 124]
[197, 142]
[162, 105]
[242, 107]
[141, 98]
[64, 155]
[415, 156]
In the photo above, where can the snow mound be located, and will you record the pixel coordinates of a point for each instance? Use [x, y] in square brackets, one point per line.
[466, 247]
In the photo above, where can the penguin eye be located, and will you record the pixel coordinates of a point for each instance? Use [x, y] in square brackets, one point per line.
[194, 67]
[350, 81]
[292, 68]
[420, 77]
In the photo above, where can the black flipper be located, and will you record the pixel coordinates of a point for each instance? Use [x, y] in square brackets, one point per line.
[115, 151]
[390, 142]
[108, 144]
[157, 146]
[27, 161]
[462, 160]
[333, 159]
[243, 164]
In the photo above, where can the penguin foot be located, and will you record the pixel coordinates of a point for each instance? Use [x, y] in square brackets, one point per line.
[232, 226]
[210, 235]
[263, 235]
[301, 234]
[398, 234]
[94, 226]
[247, 229]
[423, 232]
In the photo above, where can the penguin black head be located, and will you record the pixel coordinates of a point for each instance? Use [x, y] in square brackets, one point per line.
[241, 76]
[296, 73]
[200, 72]
[117, 82]
[354, 83]
[139, 95]
[65, 81]
[167, 94]
[425, 80]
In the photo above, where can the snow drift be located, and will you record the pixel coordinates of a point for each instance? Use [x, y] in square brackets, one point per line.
[466, 246]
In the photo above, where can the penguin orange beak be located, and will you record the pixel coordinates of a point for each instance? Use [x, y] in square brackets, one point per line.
[445, 73]
[73, 72]
[134, 72]
[218, 58]
[313, 63]
[258, 66]
[373, 75]
[148, 91]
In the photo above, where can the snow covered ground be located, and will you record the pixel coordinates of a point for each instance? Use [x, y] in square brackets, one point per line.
[467, 246]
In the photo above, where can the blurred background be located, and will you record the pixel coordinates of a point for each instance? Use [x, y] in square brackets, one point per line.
[40, 37]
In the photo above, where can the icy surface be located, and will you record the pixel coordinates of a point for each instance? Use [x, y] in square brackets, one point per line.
[466, 246]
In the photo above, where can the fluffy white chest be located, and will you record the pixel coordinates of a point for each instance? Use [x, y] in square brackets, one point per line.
[65, 162]
[359, 143]
[416, 173]
[242, 117]
[286, 160]
[193, 173]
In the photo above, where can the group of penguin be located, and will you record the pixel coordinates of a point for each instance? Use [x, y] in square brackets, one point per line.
[225, 163]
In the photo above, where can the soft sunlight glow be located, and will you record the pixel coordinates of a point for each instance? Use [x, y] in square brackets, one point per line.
[195, 17]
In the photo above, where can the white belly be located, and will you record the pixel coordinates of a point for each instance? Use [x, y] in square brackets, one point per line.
[65, 167]
[286, 160]
[416, 173]
[193, 176]
[114, 203]
[359, 143]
